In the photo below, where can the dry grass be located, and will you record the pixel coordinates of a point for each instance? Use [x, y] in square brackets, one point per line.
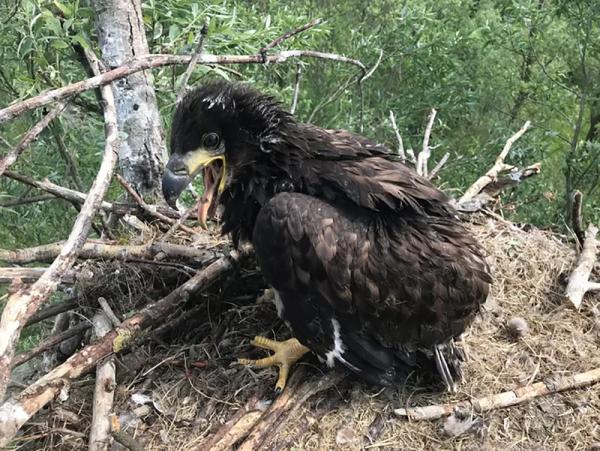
[194, 387]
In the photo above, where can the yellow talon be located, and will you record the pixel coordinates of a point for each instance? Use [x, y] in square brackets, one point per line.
[286, 353]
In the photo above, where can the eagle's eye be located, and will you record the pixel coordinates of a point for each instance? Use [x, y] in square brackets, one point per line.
[210, 141]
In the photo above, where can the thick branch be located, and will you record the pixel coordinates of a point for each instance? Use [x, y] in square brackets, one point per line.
[15, 412]
[24, 303]
[96, 250]
[579, 282]
[104, 393]
[498, 167]
[505, 399]
[53, 310]
[9, 159]
[154, 61]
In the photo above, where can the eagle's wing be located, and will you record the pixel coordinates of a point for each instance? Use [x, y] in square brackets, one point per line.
[355, 289]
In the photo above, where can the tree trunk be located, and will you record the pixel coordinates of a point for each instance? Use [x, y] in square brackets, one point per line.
[143, 151]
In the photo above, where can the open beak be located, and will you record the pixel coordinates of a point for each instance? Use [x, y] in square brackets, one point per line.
[182, 169]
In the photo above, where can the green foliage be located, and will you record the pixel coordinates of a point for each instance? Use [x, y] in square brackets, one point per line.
[486, 66]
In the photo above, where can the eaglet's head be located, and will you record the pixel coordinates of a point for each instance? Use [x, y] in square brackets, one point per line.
[225, 131]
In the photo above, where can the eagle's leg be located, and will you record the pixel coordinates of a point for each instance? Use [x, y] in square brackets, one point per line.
[286, 353]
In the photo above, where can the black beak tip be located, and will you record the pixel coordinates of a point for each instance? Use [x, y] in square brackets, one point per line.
[172, 186]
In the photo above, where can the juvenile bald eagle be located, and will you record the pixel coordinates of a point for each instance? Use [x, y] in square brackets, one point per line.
[370, 267]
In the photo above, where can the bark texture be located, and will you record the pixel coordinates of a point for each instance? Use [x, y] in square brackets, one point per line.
[143, 151]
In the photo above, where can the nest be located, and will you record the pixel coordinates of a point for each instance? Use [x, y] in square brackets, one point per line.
[179, 386]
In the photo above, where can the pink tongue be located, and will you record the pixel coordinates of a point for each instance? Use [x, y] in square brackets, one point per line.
[207, 198]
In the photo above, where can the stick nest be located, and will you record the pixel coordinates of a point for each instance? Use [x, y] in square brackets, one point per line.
[180, 385]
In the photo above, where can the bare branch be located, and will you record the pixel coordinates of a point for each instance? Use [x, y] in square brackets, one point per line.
[9, 159]
[398, 137]
[15, 412]
[493, 172]
[505, 399]
[423, 157]
[438, 167]
[579, 283]
[153, 61]
[22, 304]
[296, 89]
[188, 72]
[373, 69]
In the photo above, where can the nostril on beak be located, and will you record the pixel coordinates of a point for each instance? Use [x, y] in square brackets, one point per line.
[177, 167]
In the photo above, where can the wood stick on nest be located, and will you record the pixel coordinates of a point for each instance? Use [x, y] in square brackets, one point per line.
[579, 282]
[16, 411]
[505, 399]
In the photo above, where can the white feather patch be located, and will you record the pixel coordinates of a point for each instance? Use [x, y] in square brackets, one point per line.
[278, 303]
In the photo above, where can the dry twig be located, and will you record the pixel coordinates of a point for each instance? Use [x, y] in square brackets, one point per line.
[17, 411]
[24, 303]
[505, 399]
[579, 282]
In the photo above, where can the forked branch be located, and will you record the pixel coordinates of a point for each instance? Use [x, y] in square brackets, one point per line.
[498, 167]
